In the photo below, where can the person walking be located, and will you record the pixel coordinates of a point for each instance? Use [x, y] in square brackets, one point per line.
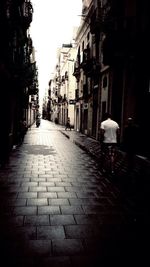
[110, 133]
[68, 124]
[38, 119]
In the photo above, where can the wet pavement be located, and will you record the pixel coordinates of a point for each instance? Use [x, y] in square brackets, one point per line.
[58, 209]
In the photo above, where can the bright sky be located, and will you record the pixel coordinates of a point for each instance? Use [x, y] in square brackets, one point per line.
[52, 25]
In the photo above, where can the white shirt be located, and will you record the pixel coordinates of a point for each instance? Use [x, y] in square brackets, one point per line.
[110, 128]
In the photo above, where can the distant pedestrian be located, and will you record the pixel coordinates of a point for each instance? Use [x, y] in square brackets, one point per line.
[38, 119]
[130, 142]
[109, 140]
[68, 126]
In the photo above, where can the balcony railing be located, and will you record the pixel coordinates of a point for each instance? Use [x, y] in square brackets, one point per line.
[100, 17]
[91, 66]
[86, 57]
[76, 72]
[64, 97]
[66, 75]
[63, 79]
[30, 46]
[26, 13]
[33, 90]
[59, 99]
[95, 22]
[85, 91]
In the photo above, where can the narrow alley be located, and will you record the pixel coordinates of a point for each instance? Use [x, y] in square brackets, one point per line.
[57, 209]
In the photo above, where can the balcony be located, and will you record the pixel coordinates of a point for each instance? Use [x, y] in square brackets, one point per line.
[49, 93]
[77, 94]
[94, 23]
[64, 98]
[33, 90]
[59, 99]
[76, 72]
[91, 66]
[66, 75]
[26, 13]
[63, 79]
[30, 46]
[101, 17]
[58, 80]
[25, 100]
[96, 19]
[29, 74]
[85, 58]
[85, 91]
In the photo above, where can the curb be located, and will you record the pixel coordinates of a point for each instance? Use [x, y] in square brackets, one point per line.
[82, 146]
[142, 165]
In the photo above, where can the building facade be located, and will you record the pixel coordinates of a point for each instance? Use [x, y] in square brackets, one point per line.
[87, 73]
[62, 87]
[111, 69]
[18, 76]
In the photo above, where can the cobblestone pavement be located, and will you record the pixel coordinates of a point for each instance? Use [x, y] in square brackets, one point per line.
[57, 209]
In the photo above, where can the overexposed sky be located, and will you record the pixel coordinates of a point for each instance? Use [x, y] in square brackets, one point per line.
[52, 25]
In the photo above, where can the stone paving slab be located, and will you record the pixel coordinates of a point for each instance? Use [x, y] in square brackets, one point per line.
[57, 209]
[133, 184]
